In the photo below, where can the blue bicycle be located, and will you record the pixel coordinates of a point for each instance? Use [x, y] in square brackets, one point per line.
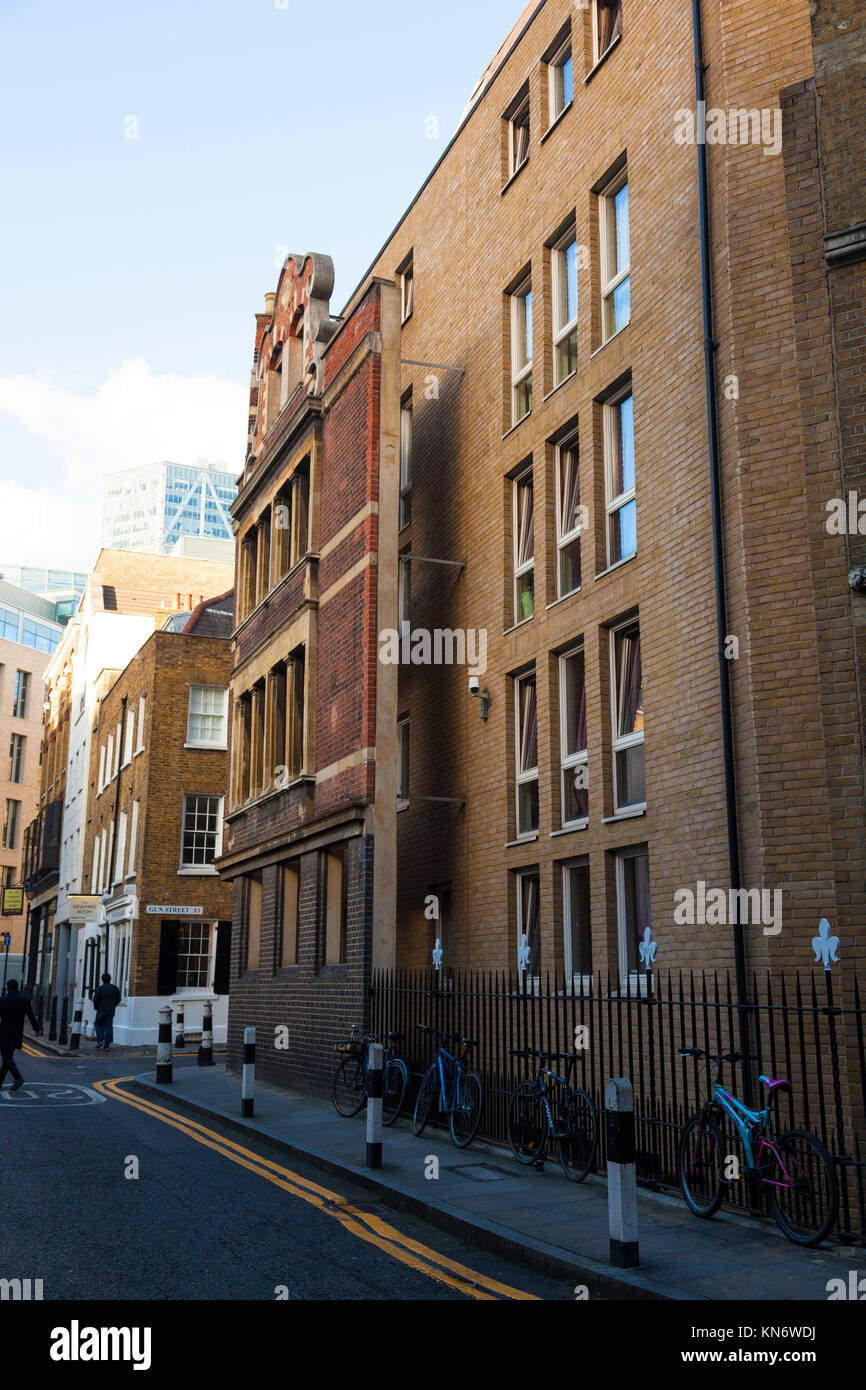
[349, 1091]
[449, 1089]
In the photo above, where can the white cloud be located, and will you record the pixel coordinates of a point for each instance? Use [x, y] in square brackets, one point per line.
[135, 416]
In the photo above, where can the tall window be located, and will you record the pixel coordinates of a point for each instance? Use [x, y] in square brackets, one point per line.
[404, 588]
[142, 705]
[569, 517]
[249, 569]
[10, 825]
[16, 757]
[291, 890]
[120, 856]
[607, 26]
[633, 910]
[19, 703]
[564, 272]
[300, 511]
[576, 921]
[335, 905]
[561, 81]
[620, 479]
[407, 289]
[8, 625]
[615, 256]
[133, 839]
[129, 737]
[193, 955]
[524, 547]
[207, 719]
[254, 921]
[628, 728]
[403, 756]
[521, 351]
[526, 754]
[572, 735]
[529, 921]
[202, 831]
[282, 532]
[406, 461]
[518, 136]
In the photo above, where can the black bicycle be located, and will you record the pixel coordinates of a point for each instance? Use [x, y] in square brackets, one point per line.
[350, 1083]
[545, 1109]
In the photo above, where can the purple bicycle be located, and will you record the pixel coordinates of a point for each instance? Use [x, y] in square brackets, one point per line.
[794, 1167]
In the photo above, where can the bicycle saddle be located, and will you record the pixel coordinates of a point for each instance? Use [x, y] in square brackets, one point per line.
[772, 1085]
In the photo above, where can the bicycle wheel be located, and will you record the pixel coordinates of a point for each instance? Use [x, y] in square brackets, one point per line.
[805, 1207]
[395, 1089]
[466, 1111]
[699, 1164]
[527, 1123]
[426, 1099]
[350, 1089]
[578, 1135]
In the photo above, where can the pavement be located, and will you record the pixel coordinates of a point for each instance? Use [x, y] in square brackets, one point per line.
[538, 1220]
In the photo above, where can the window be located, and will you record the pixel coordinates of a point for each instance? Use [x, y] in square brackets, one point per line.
[37, 635]
[128, 737]
[633, 910]
[526, 754]
[524, 547]
[518, 137]
[406, 461]
[116, 751]
[139, 748]
[620, 479]
[629, 783]
[101, 779]
[249, 569]
[202, 831]
[561, 81]
[521, 351]
[300, 511]
[407, 289]
[10, 824]
[572, 737]
[133, 839]
[16, 757]
[282, 524]
[607, 26]
[107, 848]
[529, 922]
[290, 914]
[615, 256]
[207, 720]
[121, 848]
[254, 921]
[19, 703]
[109, 759]
[403, 757]
[335, 905]
[577, 942]
[569, 517]
[193, 955]
[404, 588]
[564, 277]
[8, 624]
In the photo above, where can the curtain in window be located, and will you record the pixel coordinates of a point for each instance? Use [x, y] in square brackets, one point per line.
[525, 524]
[630, 684]
[611, 22]
[521, 142]
[528, 727]
[530, 921]
[575, 704]
[569, 489]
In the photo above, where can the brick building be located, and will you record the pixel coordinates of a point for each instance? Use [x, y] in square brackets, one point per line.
[156, 789]
[629, 536]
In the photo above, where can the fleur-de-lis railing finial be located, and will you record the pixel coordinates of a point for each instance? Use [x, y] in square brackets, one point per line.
[825, 946]
[437, 954]
[523, 953]
[648, 948]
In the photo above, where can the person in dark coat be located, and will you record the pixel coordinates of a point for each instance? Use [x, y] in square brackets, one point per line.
[105, 1000]
[14, 1008]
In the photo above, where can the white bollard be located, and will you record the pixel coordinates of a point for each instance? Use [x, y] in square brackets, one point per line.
[621, 1173]
[205, 1051]
[248, 1073]
[77, 1026]
[163, 1046]
[375, 1088]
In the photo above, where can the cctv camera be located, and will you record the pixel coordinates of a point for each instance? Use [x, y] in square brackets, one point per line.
[474, 688]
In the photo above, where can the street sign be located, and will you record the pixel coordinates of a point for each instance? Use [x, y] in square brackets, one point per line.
[13, 902]
[172, 910]
[7, 939]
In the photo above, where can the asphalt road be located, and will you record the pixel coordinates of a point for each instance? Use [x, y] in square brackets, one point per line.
[199, 1221]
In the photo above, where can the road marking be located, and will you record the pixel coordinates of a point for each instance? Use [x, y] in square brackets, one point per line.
[365, 1225]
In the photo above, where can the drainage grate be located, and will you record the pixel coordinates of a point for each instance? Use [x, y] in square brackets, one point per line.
[482, 1172]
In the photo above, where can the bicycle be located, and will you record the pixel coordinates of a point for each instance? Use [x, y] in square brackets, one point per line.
[349, 1090]
[545, 1110]
[454, 1091]
[804, 1194]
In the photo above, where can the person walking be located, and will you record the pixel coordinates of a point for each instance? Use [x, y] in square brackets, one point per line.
[14, 1008]
[105, 1000]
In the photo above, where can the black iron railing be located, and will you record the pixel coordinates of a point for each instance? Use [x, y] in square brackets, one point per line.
[798, 1028]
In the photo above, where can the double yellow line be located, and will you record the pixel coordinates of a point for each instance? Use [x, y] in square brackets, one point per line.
[359, 1223]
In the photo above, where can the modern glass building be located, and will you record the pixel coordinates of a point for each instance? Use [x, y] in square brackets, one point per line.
[152, 507]
[29, 619]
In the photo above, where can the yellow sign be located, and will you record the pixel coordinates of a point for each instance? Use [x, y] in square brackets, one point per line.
[13, 901]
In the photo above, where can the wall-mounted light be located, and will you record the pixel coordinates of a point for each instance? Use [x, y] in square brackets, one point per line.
[482, 695]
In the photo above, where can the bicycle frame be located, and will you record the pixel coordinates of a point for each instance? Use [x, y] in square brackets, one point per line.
[454, 1067]
[746, 1122]
[546, 1073]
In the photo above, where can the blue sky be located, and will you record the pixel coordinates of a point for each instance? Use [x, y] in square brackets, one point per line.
[132, 268]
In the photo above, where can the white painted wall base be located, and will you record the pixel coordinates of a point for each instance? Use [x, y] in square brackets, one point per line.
[136, 1020]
